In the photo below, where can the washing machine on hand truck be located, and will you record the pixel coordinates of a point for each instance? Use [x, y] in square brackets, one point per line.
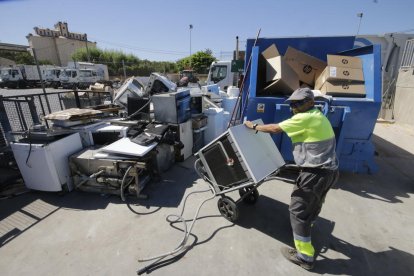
[240, 159]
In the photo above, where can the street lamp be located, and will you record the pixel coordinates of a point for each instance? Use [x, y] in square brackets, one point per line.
[191, 27]
[360, 19]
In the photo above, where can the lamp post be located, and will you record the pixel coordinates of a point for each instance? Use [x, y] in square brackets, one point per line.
[360, 19]
[191, 27]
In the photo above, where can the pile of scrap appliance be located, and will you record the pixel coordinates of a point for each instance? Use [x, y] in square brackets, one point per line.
[118, 148]
[346, 79]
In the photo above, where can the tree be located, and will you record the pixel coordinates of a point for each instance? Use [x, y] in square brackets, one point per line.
[199, 62]
[115, 60]
[18, 57]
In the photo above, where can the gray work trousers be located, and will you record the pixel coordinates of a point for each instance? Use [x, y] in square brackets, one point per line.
[307, 198]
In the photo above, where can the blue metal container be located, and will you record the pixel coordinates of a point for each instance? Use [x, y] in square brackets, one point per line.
[353, 119]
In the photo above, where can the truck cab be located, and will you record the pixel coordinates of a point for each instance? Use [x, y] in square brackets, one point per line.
[10, 77]
[79, 78]
[220, 74]
[87, 77]
[52, 77]
[69, 78]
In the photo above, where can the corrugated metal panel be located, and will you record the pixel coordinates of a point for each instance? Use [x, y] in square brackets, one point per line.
[407, 60]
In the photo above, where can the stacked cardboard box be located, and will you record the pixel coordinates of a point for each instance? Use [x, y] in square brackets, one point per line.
[307, 67]
[285, 74]
[280, 77]
[342, 77]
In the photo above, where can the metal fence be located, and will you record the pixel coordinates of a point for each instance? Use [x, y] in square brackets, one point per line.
[20, 112]
[407, 60]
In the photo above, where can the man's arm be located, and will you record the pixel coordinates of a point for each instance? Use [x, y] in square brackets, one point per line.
[269, 128]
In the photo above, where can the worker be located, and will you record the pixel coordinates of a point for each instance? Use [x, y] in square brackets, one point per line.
[313, 142]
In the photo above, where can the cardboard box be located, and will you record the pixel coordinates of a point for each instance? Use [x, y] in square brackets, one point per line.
[283, 78]
[344, 61]
[343, 89]
[271, 55]
[334, 74]
[270, 52]
[307, 67]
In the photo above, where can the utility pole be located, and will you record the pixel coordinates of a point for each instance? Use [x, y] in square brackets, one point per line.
[41, 80]
[87, 49]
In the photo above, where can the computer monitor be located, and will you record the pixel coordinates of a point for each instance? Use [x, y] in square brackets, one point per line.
[137, 103]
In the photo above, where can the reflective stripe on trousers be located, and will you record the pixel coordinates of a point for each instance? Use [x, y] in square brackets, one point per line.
[306, 203]
[304, 247]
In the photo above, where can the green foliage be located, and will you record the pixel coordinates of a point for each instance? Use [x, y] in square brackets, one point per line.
[199, 62]
[45, 62]
[133, 65]
[18, 57]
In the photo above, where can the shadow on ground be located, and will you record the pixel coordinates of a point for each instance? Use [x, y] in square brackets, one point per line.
[18, 214]
[394, 179]
[271, 217]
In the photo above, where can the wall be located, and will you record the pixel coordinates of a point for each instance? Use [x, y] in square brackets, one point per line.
[404, 97]
[56, 50]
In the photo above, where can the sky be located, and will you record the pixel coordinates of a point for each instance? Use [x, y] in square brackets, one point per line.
[159, 30]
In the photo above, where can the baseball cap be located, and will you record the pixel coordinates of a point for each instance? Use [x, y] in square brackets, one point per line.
[301, 94]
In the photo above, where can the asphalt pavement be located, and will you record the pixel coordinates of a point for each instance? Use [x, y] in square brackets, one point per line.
[364, 227]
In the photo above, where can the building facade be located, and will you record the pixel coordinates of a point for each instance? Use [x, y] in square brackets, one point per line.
[58, 45]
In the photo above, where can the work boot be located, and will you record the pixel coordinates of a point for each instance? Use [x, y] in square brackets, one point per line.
[292, 256]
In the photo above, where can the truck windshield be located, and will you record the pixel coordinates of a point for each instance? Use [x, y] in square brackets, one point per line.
[69, 73]
[218, 73]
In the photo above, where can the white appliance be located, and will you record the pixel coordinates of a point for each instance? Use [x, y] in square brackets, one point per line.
[44, 166]
[185, 136]
[86, 131]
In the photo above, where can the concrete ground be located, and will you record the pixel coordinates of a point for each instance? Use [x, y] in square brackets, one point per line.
[365, 227]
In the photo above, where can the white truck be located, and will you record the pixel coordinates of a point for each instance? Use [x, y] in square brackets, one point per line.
[21, 76]
[101, 69]
[78, 78]
[220, 73]
[82, 74]
[52, 76]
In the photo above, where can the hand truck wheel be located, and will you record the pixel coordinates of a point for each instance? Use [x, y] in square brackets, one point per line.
[252, 197]
[228, 208]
